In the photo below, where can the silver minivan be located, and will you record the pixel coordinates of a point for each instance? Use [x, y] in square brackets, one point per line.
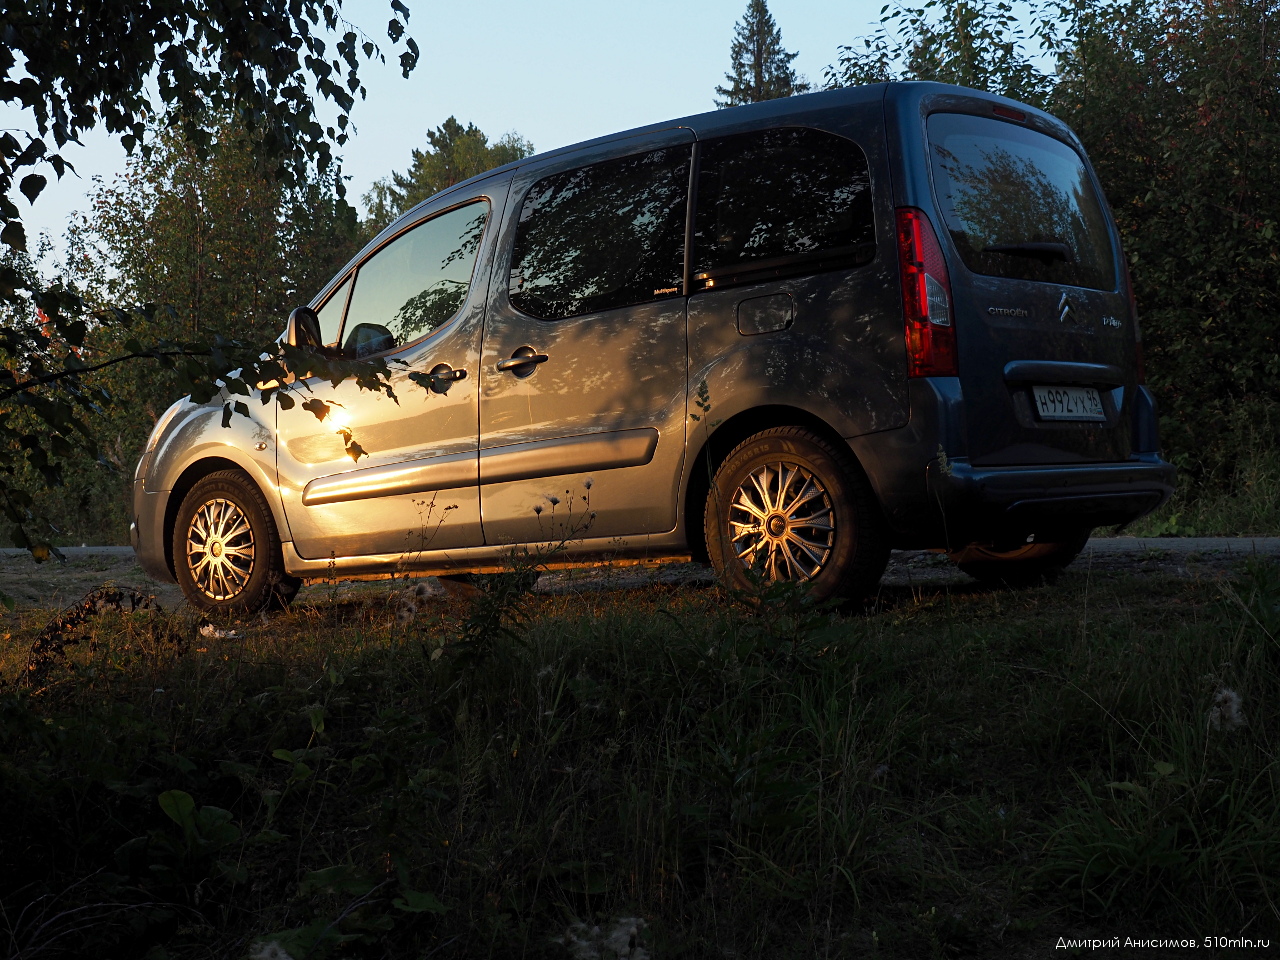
[782, 338]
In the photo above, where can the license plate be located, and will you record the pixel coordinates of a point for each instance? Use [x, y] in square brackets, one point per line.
[1068, 403]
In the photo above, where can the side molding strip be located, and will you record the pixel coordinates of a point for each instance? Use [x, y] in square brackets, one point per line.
[516, 461]
[393, 480]
[549, 458]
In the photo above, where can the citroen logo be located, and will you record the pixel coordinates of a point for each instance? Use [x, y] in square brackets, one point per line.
[1064, 310]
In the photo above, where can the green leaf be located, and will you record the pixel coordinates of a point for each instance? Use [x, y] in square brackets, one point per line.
[31, 186]
[179, 807]
[14, 235]
[413, 901]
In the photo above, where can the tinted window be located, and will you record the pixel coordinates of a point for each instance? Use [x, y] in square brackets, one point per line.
[416, 283]
[789, 194]
[1019, 204]
[331, 314]
[603, 236]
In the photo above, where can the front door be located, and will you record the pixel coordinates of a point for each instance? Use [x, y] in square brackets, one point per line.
[583, 368]
[379, 475]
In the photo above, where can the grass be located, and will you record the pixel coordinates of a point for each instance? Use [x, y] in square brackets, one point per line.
[1250, 507]
[1240, 493]
[959, 772]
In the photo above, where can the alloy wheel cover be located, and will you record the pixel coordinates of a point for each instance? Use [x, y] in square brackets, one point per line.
[782, 522]
[220, 549]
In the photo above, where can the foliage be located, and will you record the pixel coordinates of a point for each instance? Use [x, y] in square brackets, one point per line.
[181, 62]
[957, 772]
[454, 154]
[972, 43]
[759, 67]
[228, 252]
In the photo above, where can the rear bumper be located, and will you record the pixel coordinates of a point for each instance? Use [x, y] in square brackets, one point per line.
[932, 496]
[1006, 504]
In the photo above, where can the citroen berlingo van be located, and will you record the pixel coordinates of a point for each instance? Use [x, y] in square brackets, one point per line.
[783, 338]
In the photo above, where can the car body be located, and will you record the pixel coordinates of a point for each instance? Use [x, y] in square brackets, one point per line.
[615, 323]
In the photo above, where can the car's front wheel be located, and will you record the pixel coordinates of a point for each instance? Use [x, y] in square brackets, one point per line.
[788, 505]
[226, 551]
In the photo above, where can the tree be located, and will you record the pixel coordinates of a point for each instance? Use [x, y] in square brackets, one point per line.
[760, 69]
[179, 62]
[229, 252]
[454, 154]
[971, 43]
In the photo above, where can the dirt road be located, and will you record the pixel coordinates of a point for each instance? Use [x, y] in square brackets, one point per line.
[54, 584]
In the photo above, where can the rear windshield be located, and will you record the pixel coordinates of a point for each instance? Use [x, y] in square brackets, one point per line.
[1019, 204]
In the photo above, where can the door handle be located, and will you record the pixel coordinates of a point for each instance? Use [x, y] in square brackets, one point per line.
[523, 361]
[441, 376]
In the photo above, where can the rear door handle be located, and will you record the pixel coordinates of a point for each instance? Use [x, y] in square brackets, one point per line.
[523, 361]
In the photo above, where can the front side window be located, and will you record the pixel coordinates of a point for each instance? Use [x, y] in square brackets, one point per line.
[416, 283]
[604, 236]
[1019, 204]
[331, 314]
[779, 201]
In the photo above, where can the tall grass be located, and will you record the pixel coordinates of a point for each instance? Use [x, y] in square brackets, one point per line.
[1242, 499]
[957, 772]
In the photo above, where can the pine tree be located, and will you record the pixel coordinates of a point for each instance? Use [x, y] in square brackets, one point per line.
[761, 69]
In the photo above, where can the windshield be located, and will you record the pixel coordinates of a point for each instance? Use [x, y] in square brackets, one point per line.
[1019, 204]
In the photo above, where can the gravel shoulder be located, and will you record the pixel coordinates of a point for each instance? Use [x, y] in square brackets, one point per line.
[56, 584]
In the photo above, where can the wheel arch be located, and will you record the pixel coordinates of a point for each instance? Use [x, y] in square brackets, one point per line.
[713, 449]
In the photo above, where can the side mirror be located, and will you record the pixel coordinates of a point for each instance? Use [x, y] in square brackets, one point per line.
[304, 329]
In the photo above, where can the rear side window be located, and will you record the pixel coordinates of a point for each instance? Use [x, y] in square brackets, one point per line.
[1019, 204]
[416, 283]
[780, 201]
[604, 236]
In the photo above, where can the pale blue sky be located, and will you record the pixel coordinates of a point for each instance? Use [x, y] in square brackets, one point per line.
[556, 71]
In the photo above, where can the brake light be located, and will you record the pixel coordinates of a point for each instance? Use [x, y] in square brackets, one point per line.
[926, 298]
[1137, 328]
[1009, 114]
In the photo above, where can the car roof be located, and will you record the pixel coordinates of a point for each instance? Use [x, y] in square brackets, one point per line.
[703, 125]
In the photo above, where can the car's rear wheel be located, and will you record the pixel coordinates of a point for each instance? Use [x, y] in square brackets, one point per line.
[787, 505]
[226, 550]
[1024, 566]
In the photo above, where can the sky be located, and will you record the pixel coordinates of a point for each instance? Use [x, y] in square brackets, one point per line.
[555, 71]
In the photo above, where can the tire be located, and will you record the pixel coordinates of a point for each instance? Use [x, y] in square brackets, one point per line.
[242, 569]
[834, 540]
[1025, 566]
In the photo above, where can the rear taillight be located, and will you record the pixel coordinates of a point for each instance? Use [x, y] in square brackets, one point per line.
[926, 298]
[1137, 329]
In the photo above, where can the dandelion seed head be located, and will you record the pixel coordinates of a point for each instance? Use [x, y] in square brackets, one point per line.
[537, 508]
[1225, 714]
[587, 483]
[269, 951]
[553, 499]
